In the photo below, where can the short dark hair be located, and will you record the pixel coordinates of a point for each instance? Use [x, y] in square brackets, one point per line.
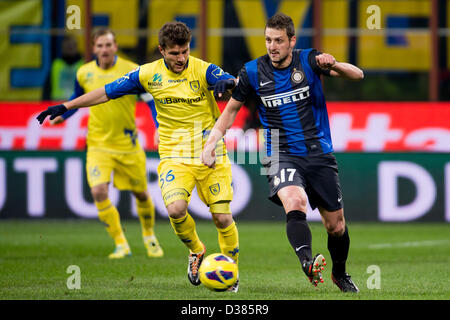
[281, 21]
[174, 33]
[101, 31]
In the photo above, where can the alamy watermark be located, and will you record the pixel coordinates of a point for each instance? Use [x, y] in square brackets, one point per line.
[187, 144]
[374, 280]
[73, 18]
[74, 280]
[373, 22]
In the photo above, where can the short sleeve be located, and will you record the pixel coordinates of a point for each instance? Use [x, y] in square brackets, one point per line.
[312, 62]
[243, 88]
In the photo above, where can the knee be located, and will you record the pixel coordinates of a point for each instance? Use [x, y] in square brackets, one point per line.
[177, 209]
[141, 196]
[222, 220]
[99, 193]
[295, 203]
[336, 228]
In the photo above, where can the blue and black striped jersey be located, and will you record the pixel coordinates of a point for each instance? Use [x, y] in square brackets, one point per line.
[290, 102]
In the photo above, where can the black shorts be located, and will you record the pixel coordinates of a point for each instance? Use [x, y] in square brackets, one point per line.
[317, 174]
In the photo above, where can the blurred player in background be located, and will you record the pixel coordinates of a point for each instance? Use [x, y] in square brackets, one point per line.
[186, 112]
[112, 145]
[64, 69]
[302, 165]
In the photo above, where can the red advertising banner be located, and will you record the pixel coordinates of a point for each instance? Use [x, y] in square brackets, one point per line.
[390, 126]
[355, 126]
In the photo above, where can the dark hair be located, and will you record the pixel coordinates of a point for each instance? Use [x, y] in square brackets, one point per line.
[174, 33]
[101, 31]
[281, 21]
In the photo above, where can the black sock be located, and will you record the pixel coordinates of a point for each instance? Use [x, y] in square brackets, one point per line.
[338, 247]
[299, 235]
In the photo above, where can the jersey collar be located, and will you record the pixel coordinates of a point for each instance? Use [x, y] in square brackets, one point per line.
[114, 63]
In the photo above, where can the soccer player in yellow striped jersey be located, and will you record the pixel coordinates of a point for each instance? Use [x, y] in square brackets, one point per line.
[186, 112]
[113, 145]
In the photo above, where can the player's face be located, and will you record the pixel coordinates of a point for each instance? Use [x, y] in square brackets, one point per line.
[279, 46]
[176, 57]
[105, 48]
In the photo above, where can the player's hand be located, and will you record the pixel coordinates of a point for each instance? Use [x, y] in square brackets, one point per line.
[222, 86]
[57, 120]
[208, 155]
[53, 112]
[325, 61]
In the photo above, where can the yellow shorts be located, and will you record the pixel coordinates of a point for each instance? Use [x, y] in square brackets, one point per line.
[177, 180]
[129, 169]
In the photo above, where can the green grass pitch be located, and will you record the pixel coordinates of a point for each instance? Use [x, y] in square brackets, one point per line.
[413, 261]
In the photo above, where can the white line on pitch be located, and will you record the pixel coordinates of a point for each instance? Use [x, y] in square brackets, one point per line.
[409, 244]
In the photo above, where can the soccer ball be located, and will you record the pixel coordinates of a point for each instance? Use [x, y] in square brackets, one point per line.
[218, 272]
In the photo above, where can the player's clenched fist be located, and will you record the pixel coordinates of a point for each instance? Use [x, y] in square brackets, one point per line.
[53, 112]
[325, 61]
[208, 155]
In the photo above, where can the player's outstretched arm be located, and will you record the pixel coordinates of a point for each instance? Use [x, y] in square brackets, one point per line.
[345, 70]
[89, 99]
[219, 81]
[226, 119]
[222, 86]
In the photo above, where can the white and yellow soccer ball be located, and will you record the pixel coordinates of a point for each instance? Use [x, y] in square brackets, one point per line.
[218, 272]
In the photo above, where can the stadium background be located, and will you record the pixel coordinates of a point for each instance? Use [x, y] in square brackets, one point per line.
[391, 131]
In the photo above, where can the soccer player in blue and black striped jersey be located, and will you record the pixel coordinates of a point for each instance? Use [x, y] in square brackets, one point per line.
[300, 163]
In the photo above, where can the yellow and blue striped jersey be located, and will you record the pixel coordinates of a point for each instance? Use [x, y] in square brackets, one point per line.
[111, 125]
[186, 109]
